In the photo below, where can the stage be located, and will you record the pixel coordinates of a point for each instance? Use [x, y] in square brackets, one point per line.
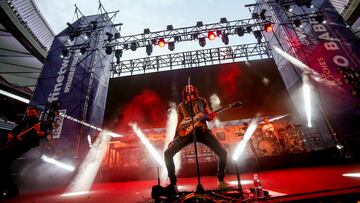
[283, 185]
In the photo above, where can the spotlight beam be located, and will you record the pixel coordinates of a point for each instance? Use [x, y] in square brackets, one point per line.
[11, 95]
[112, 134]
[147, 143]
[249, 132]
[90, 165]
[57, 163]
[306, 69]
[307, 99]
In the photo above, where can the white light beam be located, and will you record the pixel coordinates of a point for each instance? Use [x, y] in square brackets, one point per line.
[57, 163]
[307, 99]
[147, 144]
[249, 132]
[11, 95]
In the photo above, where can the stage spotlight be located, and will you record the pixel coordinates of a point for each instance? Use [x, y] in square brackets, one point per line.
[218, 33]
[87, 35]
[268, 27]
[248, 29]
[146, 31]
[82, 50]
[161, 42]
[225, 38]
[297, 23]
[255, 16]
[126, 46]
[108, 50]
[194, 36]
[133, 46]
[202, 41]
[64, 53]
[71, 38]
[70, 26]
[149, 49]
[223, 20]
[109, 36]
[288, 8]
[171, 46]
[94, 24]
[306, 3]
[116, 35]
[211, 35]
[118, 53]
[199, 24]
[320, 19]
[258, 35]
[169, 27]
[177, 38]
[262, 14]
[309, 4]
[240, 31]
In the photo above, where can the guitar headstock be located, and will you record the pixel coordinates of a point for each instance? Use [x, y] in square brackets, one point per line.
[235, 104]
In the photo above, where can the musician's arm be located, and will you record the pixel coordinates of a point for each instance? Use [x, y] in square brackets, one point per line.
[37, 128]
[179, 117]
[16, 131]
[210, 115]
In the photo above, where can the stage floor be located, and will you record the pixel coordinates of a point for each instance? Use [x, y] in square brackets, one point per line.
[297, 182]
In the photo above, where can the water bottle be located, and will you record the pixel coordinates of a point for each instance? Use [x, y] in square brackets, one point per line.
[258, 186]
[256, 178]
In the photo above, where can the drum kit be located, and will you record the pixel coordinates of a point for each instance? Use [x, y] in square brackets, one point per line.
[283, 140]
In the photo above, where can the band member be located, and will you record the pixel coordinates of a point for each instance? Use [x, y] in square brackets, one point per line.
[16, 146]
[203, 135]
[268, 128]
[270, 132]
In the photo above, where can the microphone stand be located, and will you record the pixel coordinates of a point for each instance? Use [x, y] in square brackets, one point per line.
[199, 187]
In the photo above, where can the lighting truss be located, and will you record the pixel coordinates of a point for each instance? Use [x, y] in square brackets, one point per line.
[183, 34]
[191, 59]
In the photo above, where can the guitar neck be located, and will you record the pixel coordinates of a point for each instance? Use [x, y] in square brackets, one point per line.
[222, 109]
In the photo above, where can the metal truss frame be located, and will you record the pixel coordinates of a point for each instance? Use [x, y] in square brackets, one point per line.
[190, 59]
[184, 34]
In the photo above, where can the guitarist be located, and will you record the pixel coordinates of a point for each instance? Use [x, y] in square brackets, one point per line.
[203, 135]
[18, 144]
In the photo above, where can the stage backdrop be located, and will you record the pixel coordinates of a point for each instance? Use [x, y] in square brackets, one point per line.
[145, 99]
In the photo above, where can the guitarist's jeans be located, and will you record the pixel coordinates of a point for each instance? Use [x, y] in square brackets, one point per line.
[204, 136]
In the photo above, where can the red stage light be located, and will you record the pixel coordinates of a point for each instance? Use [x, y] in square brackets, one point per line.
[211, 35]
[161, 42]
[268, 27]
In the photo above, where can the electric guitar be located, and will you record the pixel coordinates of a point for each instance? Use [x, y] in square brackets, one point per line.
[46, 123]
[186, 126]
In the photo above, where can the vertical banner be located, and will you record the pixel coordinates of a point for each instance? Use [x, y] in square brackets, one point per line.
[76, 73]
[319, 38]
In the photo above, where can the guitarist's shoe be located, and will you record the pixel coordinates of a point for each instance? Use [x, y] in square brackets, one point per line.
[223, 186]
[172, 189]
